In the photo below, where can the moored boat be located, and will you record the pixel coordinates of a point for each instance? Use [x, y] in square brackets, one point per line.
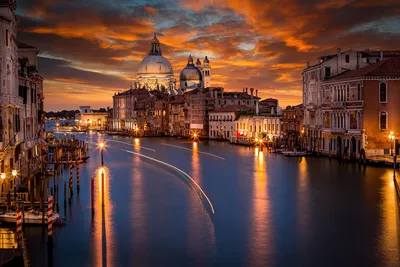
[29, 217]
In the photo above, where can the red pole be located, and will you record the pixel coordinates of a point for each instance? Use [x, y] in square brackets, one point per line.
[19, 223]
[92, 193]
[50, 217]
[102, 188]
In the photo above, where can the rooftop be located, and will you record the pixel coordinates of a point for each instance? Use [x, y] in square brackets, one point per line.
[387, 67]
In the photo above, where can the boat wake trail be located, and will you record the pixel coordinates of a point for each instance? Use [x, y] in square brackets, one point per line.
[187, 177]
[129, 144]
[205, 153]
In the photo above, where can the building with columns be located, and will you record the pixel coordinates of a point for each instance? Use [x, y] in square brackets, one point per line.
[360, 108]
[325, 68]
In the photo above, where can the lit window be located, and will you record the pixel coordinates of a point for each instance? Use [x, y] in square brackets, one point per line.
[383, 93]
[383, 120]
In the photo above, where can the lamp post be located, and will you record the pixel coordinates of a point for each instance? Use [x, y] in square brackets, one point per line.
[302, 139]
[3, 178]
[391, 139]
[101, 145]
[14, 175]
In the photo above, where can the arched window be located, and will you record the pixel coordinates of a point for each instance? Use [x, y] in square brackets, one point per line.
[383, 93]
[383, 120]
[347, 58]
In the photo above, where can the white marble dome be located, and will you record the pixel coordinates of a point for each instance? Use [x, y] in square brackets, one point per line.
[155, 64]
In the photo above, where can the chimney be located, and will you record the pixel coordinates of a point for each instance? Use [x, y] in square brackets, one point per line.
[257, 108]
[251, 92]
[256, 92]
[246, 91]
[339, 60]
[243, 89]
[222, 92]
[381, 55]
[308, 64]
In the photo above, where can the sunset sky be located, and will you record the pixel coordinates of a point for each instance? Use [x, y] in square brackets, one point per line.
[91, 49]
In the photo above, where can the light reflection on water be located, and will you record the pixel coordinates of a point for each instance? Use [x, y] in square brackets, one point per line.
[390, 241]
[103, 220]
[261, 246]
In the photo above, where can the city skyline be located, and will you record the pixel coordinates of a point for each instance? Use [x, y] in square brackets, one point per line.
[249, 44]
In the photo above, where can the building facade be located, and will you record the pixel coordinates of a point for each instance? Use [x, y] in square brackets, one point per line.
[325, 68]
[292, 124]
[222, 122]
[360, 110]
[21, 107]
[266, 127]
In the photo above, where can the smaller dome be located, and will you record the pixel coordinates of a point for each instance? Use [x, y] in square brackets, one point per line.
[190, 72]
[206, 60]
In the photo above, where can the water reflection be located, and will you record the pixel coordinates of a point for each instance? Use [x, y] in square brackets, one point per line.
[260, 246]
[102, 222]
[139, 224]
[390, 243]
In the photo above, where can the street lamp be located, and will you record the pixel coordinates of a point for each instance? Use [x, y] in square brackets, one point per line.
[14, 175]
[3, 176]
[392, 139]
[101, 145]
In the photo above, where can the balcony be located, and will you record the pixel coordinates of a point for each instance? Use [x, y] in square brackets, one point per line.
[11, 100]
[338, 130]
[358, 103]
[338, 105]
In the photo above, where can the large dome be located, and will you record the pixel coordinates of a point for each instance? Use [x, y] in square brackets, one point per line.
[155, 64]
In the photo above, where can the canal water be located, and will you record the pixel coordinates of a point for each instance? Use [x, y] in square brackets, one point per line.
[269, 210]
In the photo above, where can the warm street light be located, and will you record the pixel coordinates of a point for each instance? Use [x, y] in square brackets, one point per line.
[101, 145]
[3, 176]
[14, 173]
[392, 139]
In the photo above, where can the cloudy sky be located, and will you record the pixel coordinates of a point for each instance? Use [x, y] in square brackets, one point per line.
[91, 49]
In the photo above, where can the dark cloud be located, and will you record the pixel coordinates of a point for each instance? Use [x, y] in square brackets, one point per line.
[252, 43]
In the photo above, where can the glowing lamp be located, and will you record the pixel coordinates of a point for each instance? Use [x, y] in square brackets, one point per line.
[3, 176]
[14, 173]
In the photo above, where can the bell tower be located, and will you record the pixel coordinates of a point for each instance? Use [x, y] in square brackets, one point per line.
[206, 71]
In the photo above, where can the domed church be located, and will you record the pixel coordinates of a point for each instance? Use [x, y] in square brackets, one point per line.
[195, 75]
[155, 72]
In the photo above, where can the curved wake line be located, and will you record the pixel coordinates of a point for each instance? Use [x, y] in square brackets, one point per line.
[141, 147]
[178, 170]
[181, 147]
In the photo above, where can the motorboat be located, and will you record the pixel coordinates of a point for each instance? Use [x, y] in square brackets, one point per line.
[29, 217]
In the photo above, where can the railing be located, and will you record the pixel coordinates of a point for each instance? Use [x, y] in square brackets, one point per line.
[11, 100]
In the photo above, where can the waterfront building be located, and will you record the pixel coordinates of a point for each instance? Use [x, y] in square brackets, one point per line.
[178, 116]
[360, 109]
[21, 107]
[292, 124]
[266, 127]
[92, 120]
[124, 115]
[222, 122]
[327, 67]
[201, 101]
